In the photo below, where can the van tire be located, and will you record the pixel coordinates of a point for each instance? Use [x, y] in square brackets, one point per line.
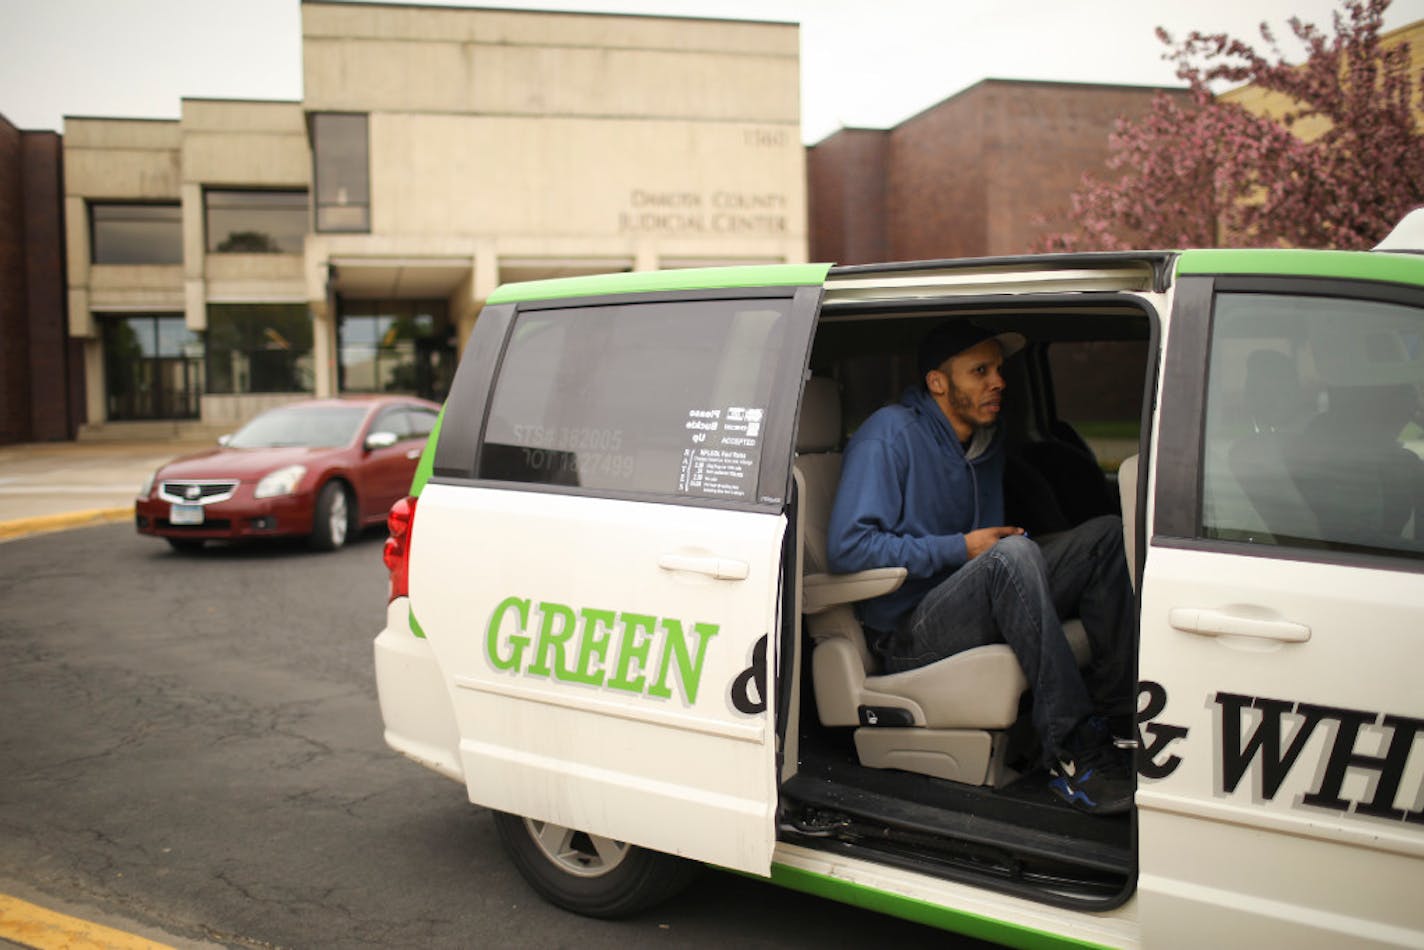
[595, 877]
[334, 521]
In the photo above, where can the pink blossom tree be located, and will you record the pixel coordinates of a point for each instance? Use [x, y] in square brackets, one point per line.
[1207, 172]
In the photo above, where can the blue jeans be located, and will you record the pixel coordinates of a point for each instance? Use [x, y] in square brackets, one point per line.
[1015, 593]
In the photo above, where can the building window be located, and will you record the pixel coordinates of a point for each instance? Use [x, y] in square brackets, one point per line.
[396, 346]
[136, 233]
[255, 222]
[342, 171]
[260, 348]
[153, 367]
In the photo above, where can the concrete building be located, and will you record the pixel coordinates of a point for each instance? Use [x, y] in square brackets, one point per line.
[250, 253]
[988, 171]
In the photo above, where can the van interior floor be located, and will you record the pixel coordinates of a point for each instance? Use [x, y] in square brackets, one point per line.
[1021, 829]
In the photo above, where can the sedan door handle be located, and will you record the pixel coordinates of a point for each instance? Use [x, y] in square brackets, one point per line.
[413, 453]
[1216, 623]
[722, 568]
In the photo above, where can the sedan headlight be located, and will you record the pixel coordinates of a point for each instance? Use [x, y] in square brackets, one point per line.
[147, 488]
[281, 482]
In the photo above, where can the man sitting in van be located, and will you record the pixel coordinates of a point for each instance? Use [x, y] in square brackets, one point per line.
[922, 488]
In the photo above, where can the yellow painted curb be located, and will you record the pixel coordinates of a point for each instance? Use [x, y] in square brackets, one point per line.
[40, 524]
[32, 926]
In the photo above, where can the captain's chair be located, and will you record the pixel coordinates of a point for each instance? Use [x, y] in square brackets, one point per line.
[947, 719]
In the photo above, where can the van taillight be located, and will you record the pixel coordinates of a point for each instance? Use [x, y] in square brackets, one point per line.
[400, 522]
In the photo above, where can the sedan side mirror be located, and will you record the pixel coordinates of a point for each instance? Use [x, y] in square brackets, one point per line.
[380, 440]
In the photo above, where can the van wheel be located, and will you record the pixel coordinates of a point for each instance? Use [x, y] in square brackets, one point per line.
[332, 523]
[587, 874]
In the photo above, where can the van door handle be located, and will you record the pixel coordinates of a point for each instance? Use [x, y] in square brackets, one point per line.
[1216, 623]
[722, 568]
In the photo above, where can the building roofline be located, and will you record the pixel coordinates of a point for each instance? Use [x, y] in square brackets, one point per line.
[1047, 83]
[245, 101]
[118, 118]
[996, 80]
[545, 12]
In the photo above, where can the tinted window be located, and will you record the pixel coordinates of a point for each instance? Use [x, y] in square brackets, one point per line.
[1313, 434]
[260, 348]
[137, 233]
[256, 222]
[343, 180]
[661, 399]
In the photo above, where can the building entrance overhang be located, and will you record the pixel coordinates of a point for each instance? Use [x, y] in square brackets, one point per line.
[399, 278]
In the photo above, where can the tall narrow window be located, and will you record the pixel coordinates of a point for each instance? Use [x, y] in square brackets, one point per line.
[255, 222]
[343, 176]
[136, 233]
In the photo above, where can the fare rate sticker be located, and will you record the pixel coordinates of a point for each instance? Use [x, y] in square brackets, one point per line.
[722, 460]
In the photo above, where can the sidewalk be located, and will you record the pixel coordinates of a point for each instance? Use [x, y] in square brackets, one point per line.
[48, 486]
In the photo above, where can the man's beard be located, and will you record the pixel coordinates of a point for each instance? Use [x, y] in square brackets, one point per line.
[962, 405]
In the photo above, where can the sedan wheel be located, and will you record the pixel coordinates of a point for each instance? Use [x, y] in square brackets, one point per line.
[332, 523]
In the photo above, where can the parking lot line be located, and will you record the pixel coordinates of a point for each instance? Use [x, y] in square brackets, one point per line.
[33, 926]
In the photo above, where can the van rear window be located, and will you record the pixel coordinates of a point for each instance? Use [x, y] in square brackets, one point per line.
[667, 398]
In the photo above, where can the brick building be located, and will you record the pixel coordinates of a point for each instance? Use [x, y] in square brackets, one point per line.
[40, 370]
[988, 171]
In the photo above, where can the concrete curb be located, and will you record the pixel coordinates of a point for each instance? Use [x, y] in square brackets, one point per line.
[43, 524]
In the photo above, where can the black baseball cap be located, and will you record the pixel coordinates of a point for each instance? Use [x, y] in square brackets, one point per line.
[955, 336]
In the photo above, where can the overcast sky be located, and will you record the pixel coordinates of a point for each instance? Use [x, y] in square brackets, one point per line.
[864, 63]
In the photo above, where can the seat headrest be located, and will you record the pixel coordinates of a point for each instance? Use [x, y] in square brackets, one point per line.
[820, 429]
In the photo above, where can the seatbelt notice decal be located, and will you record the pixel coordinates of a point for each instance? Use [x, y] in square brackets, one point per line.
[721, 460]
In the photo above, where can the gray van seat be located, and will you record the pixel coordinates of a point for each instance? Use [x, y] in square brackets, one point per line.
[960, 706]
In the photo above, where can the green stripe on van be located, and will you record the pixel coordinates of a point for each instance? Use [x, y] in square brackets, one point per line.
[639, 282]
[426, 465]
[923, 912]
[1356, 265]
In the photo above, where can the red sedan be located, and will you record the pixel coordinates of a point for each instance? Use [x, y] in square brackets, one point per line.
[320, 469]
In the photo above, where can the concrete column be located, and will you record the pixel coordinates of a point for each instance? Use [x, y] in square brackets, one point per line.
[645, 256]
[324, 344]
[95, 390]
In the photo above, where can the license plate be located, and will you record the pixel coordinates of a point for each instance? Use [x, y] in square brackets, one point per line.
[185, 514]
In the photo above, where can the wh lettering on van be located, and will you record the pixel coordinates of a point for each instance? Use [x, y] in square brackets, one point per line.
[1273, 758]
[614, 650]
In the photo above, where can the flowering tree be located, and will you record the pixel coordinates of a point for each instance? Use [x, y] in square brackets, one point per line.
[1337, 168]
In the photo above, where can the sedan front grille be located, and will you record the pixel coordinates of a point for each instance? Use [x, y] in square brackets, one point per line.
[196, 492]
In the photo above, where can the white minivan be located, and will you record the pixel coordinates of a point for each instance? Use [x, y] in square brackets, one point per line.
[611, 618]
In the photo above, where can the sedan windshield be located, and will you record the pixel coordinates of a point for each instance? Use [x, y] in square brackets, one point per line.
[309, 427]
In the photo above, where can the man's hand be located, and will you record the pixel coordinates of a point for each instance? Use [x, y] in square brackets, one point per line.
[977, 542]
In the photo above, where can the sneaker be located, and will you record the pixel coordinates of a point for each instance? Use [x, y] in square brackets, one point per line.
[1097, 781]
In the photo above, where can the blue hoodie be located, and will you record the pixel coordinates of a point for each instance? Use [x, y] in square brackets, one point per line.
[907, 497]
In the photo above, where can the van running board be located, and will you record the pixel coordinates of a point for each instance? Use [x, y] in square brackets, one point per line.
[822, 808]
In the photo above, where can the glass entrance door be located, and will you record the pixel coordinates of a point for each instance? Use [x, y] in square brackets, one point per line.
[153, 367]
[396, 346]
